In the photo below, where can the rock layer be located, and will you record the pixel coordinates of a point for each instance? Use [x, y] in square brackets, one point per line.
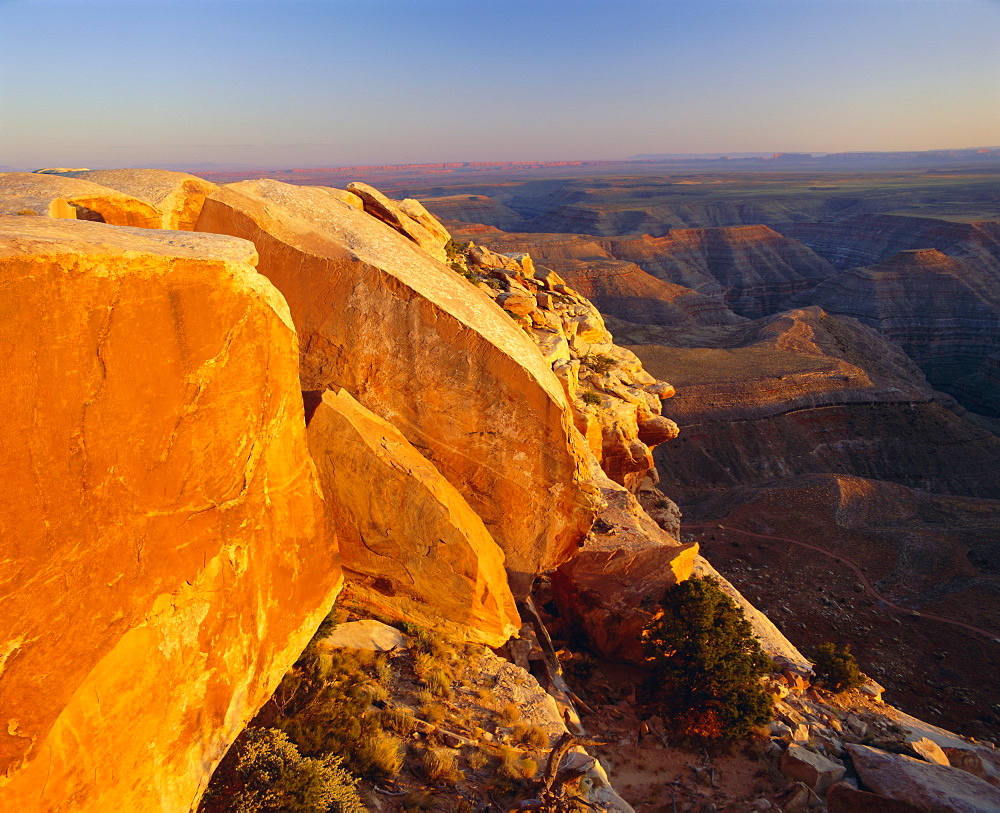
[411, 547]
[419, 346]
[165, 543]
[944, 312]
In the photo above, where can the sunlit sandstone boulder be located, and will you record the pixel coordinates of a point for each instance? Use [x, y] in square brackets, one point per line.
[164, 555]
[430, 353]
[27, 193]
[411, 547]
[408, 217]
[176, 196]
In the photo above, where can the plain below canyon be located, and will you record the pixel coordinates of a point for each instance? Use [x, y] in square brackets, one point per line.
[448, 487]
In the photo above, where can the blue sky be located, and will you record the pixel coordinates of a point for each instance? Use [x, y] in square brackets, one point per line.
[332, 82]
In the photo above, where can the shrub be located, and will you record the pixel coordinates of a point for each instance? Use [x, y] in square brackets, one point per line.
[28, 213]
[590, 397]
[533, 736]
[418, 800]
[264, 771]
[509, 759]
[478, 759]
[398, 720]
[509, 714]
[599, 363]
[439, 683]
[380, 755]
[440, 765]
[527, 768]
[836, 668]
[706, 662]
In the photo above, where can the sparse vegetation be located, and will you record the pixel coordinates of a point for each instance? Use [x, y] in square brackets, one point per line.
[509, 759]
[441, 765]
[706, 662]
[509, 714]
[836, 668]
[599, 362]
[478, 759]
[264, 771]
[590, 397]
[28, 213]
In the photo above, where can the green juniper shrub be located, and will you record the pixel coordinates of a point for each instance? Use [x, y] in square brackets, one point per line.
[590, 397]
[836, 668]
[706, 662]
[264, 771]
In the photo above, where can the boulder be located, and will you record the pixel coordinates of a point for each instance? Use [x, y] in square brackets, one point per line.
[965, 759]
[367, 634]
[815, 771]
[418, 345]
[923, 784]
[411, 547]
[408, 217]
[929, 750]
[843, 797]
[610, 589]
[27, 193]
[166, 554]
[176, 196]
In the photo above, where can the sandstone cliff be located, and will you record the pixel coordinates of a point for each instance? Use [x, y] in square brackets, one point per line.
[411, 547]
[419, 346]
[166, 551]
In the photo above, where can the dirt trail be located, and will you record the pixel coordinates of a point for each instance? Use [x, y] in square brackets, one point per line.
[869, 588]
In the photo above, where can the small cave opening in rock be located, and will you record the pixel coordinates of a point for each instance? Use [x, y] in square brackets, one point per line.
[83, 213]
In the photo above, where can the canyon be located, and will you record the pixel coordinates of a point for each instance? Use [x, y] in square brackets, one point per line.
[233, 405]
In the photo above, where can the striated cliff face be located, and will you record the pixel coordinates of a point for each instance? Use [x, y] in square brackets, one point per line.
[868, 239]
[806, 392]
[944, 312]
[616, 287]
[756, 268]
[411, 547]
[162, 521]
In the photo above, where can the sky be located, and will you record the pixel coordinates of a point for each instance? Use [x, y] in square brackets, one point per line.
[282, 83]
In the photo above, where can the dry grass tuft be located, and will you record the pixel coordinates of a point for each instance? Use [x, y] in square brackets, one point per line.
[509, 714]
[441, 765]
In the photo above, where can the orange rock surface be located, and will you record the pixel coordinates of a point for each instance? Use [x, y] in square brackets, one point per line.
[165, 551]
[24, 193]
[412, 549]
[427, 351]
[176, 196]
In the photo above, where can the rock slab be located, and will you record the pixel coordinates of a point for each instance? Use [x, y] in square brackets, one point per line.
[165, 551]
[422, 348]
[923, 784]
[411, 547]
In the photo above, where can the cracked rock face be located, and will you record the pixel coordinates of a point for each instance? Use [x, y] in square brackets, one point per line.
[411, 547]
[166, 555]
[416, 344]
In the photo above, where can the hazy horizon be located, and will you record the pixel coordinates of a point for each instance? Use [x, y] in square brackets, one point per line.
[385, 82]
